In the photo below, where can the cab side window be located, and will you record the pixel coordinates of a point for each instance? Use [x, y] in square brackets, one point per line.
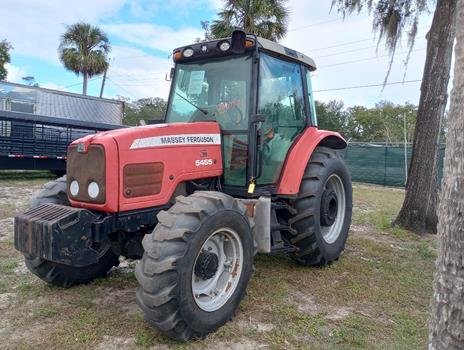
[311, 101]
[281, 101]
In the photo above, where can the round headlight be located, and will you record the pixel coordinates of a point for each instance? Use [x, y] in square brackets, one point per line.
[74, 188]
[224, 46]
[93, 190]
[188, 52]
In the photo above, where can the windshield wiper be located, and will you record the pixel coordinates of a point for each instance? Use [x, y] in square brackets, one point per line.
[204, 111]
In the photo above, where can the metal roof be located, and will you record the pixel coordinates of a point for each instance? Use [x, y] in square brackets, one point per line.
[59, 104]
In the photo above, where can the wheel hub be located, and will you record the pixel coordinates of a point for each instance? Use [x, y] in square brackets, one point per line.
[217, 269]
[329, 207]
[207, 265]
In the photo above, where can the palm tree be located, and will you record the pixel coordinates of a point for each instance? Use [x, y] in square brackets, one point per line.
[391, 20]
[84, 50]
[265, 18]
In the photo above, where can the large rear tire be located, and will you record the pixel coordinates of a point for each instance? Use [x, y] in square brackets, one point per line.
[323, 210]
[65, 275]
[196, 265]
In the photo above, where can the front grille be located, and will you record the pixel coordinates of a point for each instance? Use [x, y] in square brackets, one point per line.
[86, 168]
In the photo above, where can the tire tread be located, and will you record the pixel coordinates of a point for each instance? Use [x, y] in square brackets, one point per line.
[305, 204]
[156, 294]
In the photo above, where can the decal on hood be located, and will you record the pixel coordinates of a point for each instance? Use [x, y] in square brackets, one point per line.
[175, 140]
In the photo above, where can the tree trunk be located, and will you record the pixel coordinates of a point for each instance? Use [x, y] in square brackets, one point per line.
[447, 308]
[419, 210]
[84, 85]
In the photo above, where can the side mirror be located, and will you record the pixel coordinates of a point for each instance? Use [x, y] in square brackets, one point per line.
[238, 42]
[171, 75]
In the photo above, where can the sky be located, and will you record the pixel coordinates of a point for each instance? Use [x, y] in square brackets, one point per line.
[144, 33]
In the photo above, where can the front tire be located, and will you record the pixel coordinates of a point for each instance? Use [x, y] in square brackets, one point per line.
[323, 210]
[66, 275]
[196, 265]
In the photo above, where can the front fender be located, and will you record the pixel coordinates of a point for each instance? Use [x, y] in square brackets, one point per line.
[300, 153]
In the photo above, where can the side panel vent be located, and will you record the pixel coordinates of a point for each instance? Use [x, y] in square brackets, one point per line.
[143, 179]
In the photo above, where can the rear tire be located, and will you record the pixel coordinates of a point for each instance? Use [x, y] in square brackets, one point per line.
[323, 210]
[169, 271]
[66, 275]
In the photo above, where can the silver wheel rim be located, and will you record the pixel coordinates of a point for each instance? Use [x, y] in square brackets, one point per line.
[331, 233]
[211, 294]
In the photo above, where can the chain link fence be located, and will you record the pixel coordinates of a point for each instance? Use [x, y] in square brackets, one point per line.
[382, 164]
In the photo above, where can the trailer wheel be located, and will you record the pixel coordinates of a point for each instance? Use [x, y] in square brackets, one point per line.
[196, 265]
[323, 210]
[65, 275]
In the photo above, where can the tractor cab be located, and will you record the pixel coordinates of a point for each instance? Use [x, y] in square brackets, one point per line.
[260, 94]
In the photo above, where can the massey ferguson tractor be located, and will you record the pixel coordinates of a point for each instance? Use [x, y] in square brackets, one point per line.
[238, 167]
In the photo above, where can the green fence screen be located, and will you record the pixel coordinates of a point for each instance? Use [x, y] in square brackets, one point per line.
[381, 164]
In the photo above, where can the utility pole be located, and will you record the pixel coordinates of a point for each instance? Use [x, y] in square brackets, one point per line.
[103, 83]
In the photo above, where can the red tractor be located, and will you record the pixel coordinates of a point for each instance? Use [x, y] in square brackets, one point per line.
[238, 167]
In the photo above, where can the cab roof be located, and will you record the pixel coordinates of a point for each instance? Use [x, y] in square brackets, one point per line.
[206, 49]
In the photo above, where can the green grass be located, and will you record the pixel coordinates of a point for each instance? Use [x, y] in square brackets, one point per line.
[8, 266]
[34, 175]
[353, 332]
[3, 287]
[426, 252]
[145, 338]
[7, 210]
[46, 311]
[375, 296]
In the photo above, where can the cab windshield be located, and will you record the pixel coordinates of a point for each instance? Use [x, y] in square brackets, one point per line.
[216, 90]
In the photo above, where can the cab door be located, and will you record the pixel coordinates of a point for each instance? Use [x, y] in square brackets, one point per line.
[281, 100]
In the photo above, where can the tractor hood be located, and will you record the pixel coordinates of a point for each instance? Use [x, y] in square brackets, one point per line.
[157, 135]
[139, 167]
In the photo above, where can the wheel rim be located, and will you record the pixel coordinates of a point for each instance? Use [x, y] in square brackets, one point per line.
[212, 290]
[332, 232]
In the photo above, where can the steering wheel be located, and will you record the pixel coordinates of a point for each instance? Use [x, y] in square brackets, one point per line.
[238, 114]
[235, 117]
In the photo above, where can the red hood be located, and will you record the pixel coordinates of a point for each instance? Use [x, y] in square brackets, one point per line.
[125, 137]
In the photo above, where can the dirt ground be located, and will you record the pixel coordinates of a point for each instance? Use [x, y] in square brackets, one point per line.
[375, 296]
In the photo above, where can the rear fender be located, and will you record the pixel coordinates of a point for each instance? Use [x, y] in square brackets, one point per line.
[299, 155]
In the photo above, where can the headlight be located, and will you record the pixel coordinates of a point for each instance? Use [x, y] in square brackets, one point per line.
[188, 52]
[93, 190]
[74, 188]
[224, 46]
